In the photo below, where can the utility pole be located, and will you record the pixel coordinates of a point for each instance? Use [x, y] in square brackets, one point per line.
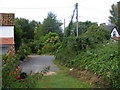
[77, 18]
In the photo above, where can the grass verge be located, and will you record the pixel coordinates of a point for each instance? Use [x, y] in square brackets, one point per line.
[61, 80]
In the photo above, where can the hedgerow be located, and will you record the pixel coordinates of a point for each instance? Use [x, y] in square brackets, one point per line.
[92, 51]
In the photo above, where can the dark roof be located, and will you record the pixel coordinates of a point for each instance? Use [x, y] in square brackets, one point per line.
[110, 27]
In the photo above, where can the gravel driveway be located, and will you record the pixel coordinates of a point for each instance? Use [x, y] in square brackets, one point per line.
[36, 63]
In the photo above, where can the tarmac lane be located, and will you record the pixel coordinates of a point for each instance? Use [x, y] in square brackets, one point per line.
[37, 63]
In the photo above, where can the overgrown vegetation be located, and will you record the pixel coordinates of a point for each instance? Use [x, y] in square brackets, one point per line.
[9, 77]
[92, 51]
[41, 38]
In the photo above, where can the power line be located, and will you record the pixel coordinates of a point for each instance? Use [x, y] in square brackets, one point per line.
[91, 18]
[36, 8]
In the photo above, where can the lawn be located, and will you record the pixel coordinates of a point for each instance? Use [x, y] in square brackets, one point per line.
[61, 80]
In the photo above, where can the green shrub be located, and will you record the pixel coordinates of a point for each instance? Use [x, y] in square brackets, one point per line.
[9, 78]
[8, 69]
[39, 51]
[51, 42]
[22, 57]
[23, 52]
[93, 51]
[103, 60]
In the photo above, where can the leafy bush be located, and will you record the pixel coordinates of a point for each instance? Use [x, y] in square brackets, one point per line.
[22, 57]
[92, 51]
[39, 51]
[35, 45]
[103, 60]
[51, 43]
[9, 78]
[23, 51]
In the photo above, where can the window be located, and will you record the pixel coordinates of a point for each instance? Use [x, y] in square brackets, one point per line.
[114, 33]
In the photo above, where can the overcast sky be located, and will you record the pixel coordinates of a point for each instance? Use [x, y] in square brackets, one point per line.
[92, 10]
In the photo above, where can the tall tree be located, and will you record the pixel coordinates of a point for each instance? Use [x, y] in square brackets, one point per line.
[18, 35]
[82, 28]
[118, 17]
[51, 24]
[114, 14]
[24, 31]
[27, 27]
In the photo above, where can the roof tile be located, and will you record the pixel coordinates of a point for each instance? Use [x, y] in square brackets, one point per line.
[7, 41]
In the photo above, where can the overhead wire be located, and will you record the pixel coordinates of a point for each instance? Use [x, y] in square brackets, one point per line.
[91, 9]
[35, 8]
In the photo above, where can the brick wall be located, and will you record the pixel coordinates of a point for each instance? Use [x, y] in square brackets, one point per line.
[7, 19]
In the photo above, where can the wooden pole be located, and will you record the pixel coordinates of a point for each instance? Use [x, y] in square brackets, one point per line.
[77, 18]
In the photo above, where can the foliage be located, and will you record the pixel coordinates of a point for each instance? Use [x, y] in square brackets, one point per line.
[50, 24]
[7, 71]
[23, 51]
[39, 52]
[114, 14]
[9, 78]
[35, 45]
[94, 35]
[51, 43]
[27, 27]
[32, 32]
[24, 31]
[83, 27]
[93, 52]
[101, 60]
[38, 32]
[18, 37]
[118, 21]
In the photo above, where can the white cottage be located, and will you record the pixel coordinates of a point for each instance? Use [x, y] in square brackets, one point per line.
[6, 32]
[113, 31]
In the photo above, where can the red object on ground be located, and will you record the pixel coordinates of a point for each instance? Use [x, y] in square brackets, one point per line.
[18, 77]
[17, 71]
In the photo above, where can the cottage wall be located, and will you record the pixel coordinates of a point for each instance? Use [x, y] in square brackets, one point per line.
[4, 49]
[7, 31]
[115, 32]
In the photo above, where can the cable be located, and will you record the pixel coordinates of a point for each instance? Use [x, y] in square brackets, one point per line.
[92, 18]
[37, 8]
